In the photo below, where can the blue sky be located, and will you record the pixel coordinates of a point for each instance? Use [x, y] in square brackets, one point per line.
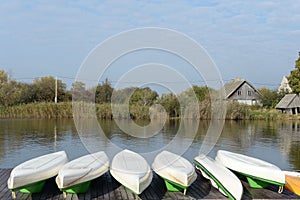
[256, 40]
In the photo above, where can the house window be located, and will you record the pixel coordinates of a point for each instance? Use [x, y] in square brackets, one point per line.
[239, 92]
[249, 93]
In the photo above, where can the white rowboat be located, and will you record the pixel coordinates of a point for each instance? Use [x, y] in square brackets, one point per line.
[259, 173]
[177, 172]
[131, 170]
[221, 177]
[75, 176]
[30, 176]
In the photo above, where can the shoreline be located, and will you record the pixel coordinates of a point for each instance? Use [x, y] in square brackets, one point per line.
[50, 110]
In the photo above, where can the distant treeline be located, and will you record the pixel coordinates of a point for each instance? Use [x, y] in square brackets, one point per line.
[36, 100]
[32, 99]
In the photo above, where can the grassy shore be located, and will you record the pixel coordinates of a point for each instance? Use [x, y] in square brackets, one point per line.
[64, 110]
[103, 111]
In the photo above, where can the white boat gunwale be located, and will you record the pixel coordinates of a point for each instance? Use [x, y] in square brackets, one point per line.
[30, 185]
[259, 178]
[91, 167]
[60, 159]
[259, 173]
[219, 184]
[160, 166]
[140, 180]
[145, 183]
[30, 178]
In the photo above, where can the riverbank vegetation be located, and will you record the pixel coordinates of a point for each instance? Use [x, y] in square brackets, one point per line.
[60, 110]
[36, 100]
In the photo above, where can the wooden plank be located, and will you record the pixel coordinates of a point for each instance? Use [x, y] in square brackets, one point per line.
[159, 186]
[151, 191]
[117, 188]
[94, 188]
[121, 191]
[106, 187]
[102, 194]
[23, 196]
[111, 191]
[4, 175]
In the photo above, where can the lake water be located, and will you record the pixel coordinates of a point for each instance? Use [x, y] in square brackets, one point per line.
[275, 142]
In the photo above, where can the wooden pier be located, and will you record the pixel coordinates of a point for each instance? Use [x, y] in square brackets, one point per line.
[106, 187]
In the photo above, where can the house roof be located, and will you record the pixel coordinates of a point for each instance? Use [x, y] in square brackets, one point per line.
[233, 85]
[289, 101]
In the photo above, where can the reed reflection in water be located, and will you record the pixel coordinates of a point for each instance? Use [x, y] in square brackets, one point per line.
[275, 142]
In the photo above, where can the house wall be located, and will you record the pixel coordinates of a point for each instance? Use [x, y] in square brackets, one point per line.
[291, 111]
[249, 102]
[245, 94]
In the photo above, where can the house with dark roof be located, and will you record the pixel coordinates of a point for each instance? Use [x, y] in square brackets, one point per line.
[289, 104]
[241, 91]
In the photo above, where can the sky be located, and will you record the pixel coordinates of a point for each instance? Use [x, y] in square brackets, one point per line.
[256, 40]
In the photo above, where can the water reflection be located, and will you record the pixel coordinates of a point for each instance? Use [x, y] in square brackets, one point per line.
[289, 137]
[175, 136]
[275, 142]
[24, 139]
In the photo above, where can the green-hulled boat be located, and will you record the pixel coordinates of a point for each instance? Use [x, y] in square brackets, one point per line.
[30, 176]
[259, 173]
[75, 176]
[177, 172]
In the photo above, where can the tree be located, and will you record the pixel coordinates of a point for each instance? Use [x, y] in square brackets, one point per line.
[200, 92]
[294, 78]
[103, 92]
[28, 93]
[143, 97]
[78, 86]
[269, 98]
[80, 93]
[123, 95]
[45, 89]
[10, 90]
[171, 104]
[3, 78]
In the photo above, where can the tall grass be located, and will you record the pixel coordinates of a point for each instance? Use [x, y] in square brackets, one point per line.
[65, 110]
[37, 110]
[235, 111]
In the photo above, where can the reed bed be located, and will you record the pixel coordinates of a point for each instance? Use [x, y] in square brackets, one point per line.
[38, 110]
[48, 110]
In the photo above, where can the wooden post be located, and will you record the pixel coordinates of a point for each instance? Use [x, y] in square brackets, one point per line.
[13, 195]
[55, 99]
[55, 137]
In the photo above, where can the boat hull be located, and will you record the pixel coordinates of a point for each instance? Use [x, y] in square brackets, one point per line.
[30, 176]
[221, 177]
[173, 186]
[31, 188]
[292, 182]
[132, 171]
[75, 176]
[259, 174]
[79, 188]
[177, 172]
